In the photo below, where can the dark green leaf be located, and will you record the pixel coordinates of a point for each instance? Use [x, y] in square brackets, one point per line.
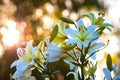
[100, 30]
[109, 62]
[68, 47]
[67, 20]
[54, 33]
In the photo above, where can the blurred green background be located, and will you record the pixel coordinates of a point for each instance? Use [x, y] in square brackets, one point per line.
[24, 20]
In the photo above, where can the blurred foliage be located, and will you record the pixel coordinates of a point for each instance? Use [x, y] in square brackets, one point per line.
[26, 8]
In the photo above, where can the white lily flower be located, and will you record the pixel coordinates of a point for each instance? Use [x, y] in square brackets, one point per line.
[26, 59]
[82, 37]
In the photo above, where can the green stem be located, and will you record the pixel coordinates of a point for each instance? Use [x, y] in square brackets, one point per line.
[42, 54]
[75, 54]
[92, 54]
[39, 64]
[75, 25]
[93, 77]
[82, 62]
[82, 72]
[71, 56]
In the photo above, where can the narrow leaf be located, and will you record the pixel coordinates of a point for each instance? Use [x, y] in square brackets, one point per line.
[109, 62]
[100, 30]
[54, 33]
[107, 24]
[68, 47]
[67, 20]
[108, 28]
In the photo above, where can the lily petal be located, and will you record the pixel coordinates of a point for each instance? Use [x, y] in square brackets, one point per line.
[114, 69]
[15, 63]
[116, 77]
[29, 47]
[54, 51]
[91, 28]
[80, 23]
[72, 34]
[107, 74]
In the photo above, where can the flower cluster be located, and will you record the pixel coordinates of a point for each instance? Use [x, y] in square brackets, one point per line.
[68, 49]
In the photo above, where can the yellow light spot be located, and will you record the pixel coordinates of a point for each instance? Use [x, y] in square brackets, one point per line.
[39, 30]
[65, 13]
[74, 16]
[11, 37]
[10, 34]
[68, 3]
[11, 24]
[3, 30]
[6, 1]
[39, 12]
[48, 21]
[49, 8]
[29, 37]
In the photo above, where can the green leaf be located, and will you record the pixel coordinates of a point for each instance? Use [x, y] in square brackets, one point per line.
[108, 28]
[68, 47]
[95, 66]
[54, 33]
[107, 24]
[67, 20]
[109, 62]
[42, 45]
[99, 20]
[100, 30]
[91, 16]
[59, 39]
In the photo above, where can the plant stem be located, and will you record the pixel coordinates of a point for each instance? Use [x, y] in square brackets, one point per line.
[82, 72]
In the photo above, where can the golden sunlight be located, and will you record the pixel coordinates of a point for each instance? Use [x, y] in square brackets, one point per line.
[10, 34]
[48, 21]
